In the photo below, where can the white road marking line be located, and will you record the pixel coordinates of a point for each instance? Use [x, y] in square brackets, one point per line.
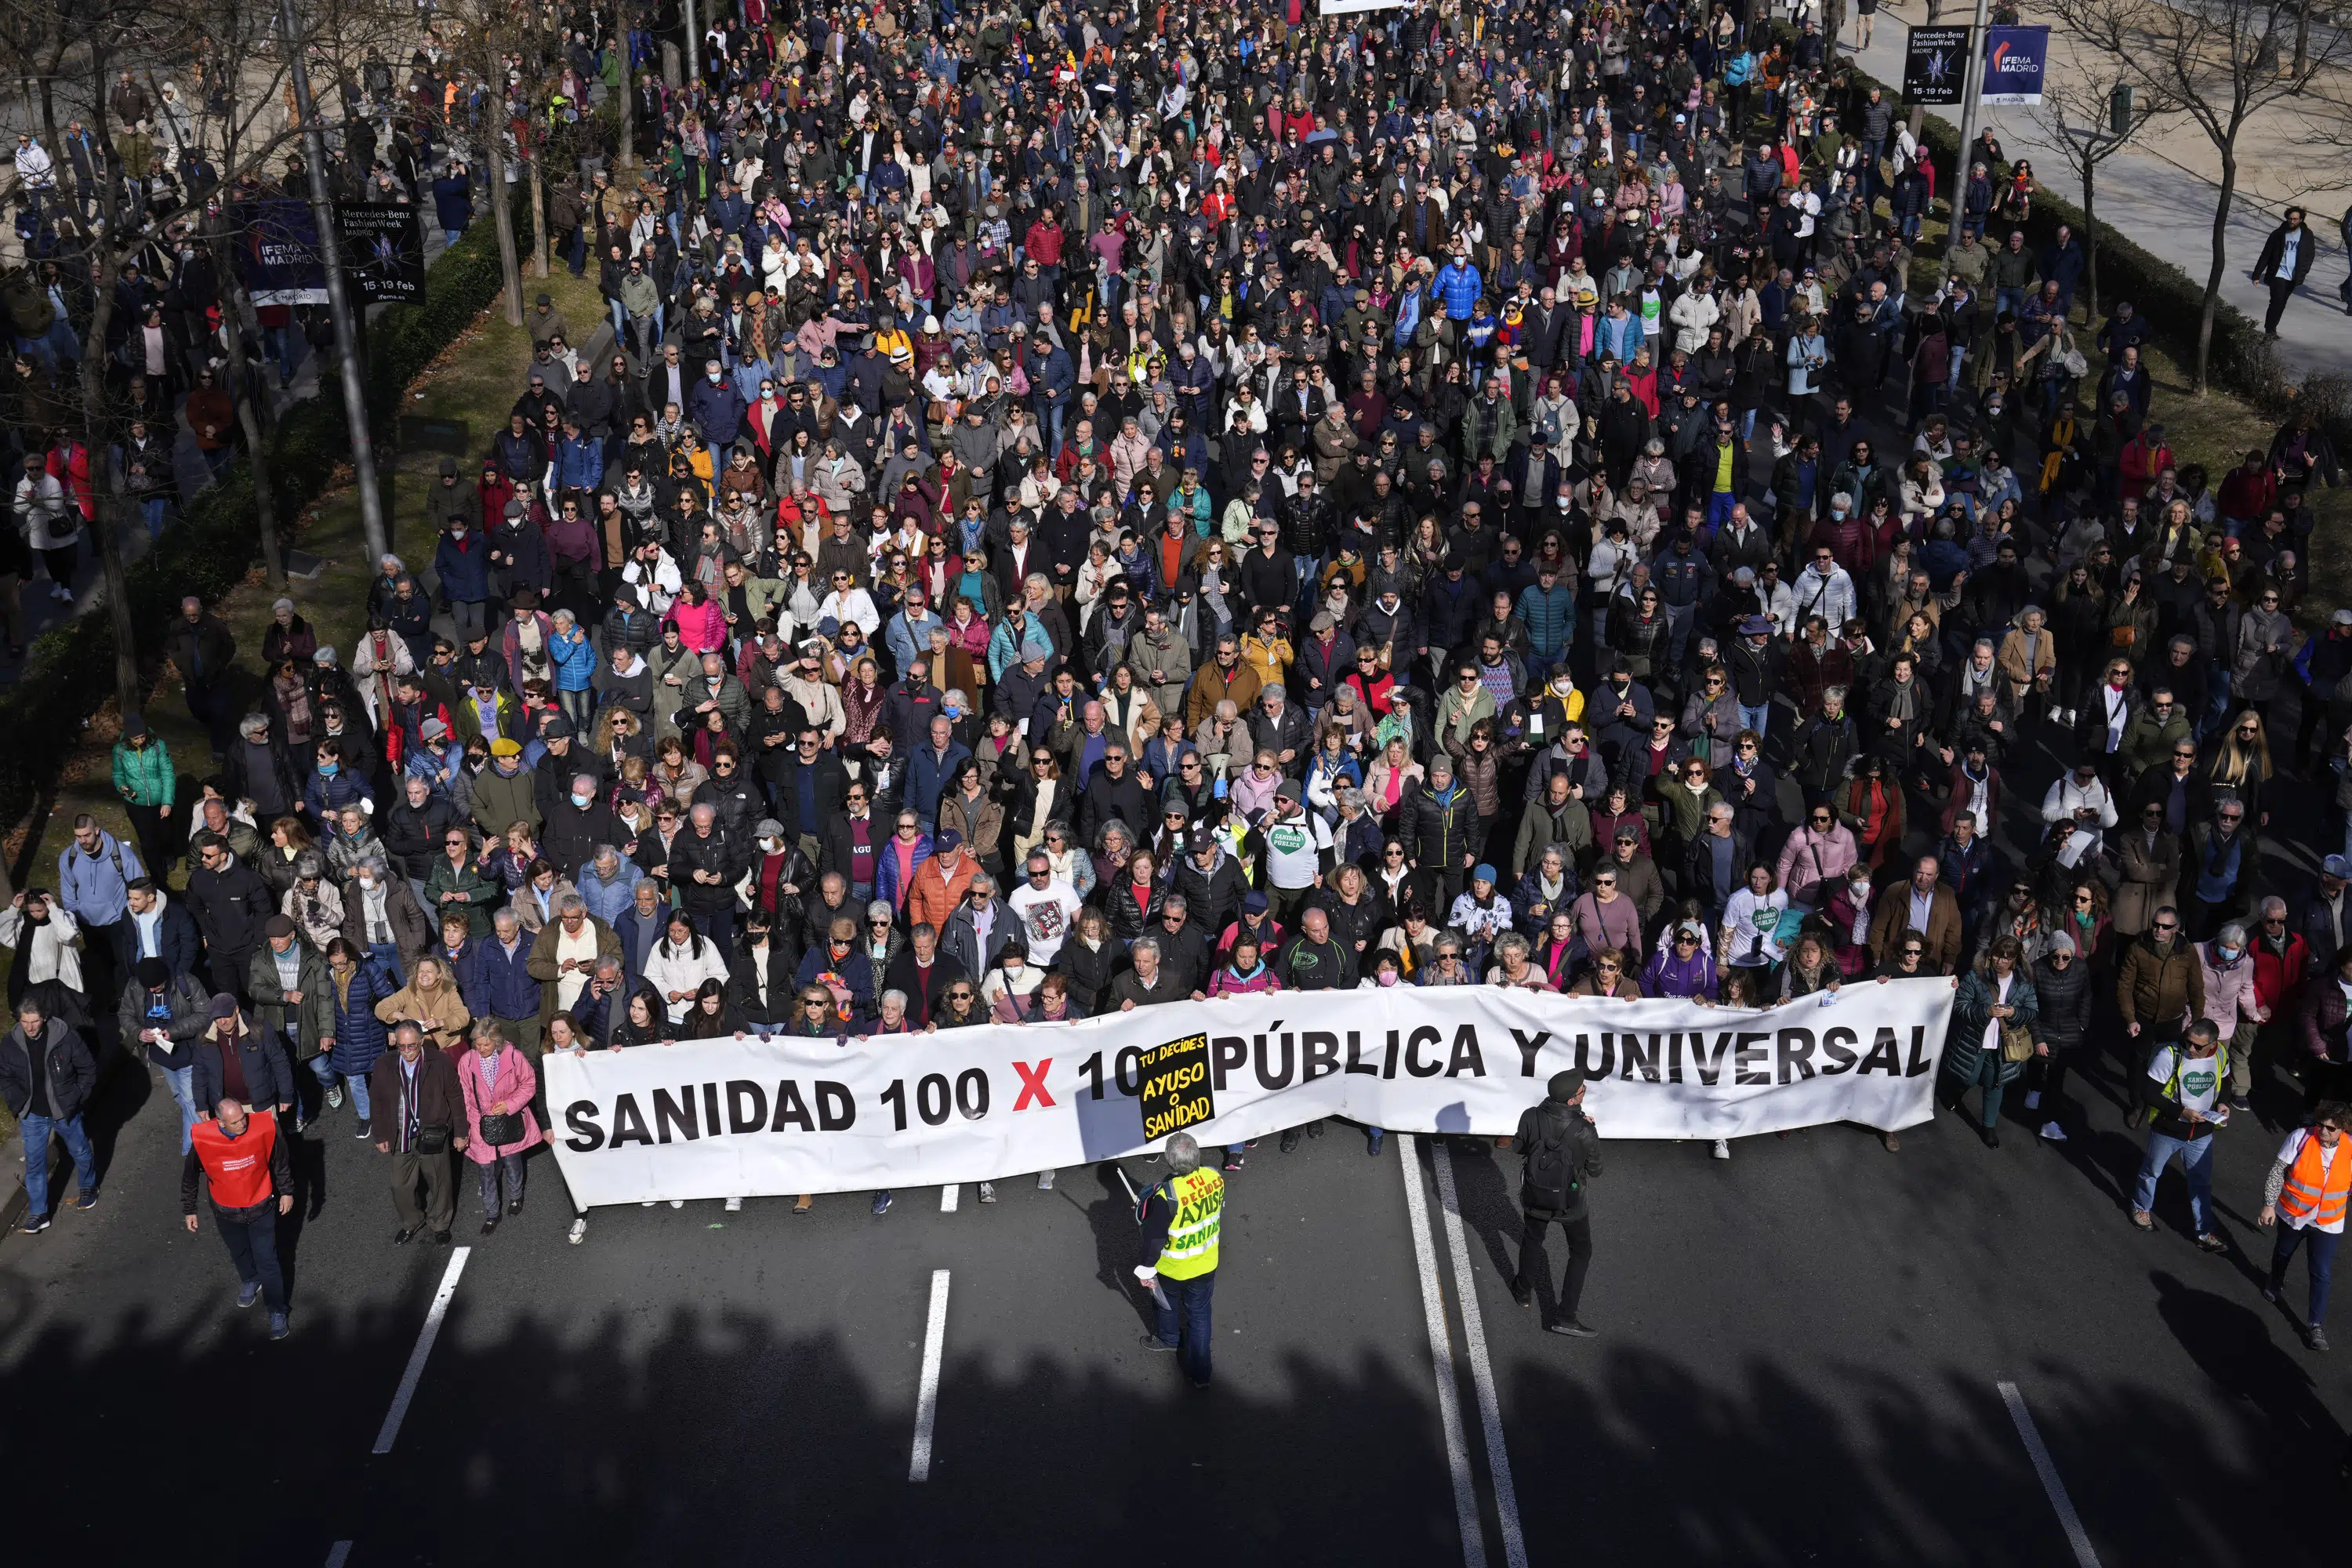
[926, 1402]
[2038, 1452]
[1482, 1371]
[342, 1552]
[947, 1197]
[415, 1372]
[1441, 1355]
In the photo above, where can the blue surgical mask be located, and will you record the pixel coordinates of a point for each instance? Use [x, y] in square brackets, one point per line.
[582, 800]
[2228, 955]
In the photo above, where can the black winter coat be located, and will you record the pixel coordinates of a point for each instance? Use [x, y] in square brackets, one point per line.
[2064, 998]
[71, 1070]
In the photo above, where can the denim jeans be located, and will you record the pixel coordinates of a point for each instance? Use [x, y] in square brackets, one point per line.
[1188, 1312]
[181, 1082]
[384, 957]
[36, 1157]
[253, 1247]
[1678, 626]
[1756, 718]
[155, 511]
[486, 1181]
[2217, 698]
[322, 1068]
[2321, 1257]
[2196, 1160]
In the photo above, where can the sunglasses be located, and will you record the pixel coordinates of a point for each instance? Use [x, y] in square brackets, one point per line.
[2167, 925]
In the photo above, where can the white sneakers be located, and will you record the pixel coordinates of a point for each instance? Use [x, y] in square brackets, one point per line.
[1722, 1149]
[578, 1230]
[2053, 1132]
[734, 1205]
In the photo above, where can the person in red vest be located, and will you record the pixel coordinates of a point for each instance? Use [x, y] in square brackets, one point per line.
[253, 1183]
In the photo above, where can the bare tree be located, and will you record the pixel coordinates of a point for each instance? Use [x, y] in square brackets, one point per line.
[139, 214]
[495, 34]
[2077, 112]
[2219, 62]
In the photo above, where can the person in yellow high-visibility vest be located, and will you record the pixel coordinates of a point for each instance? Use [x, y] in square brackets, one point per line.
[2308, 1190]
[1179, 1219]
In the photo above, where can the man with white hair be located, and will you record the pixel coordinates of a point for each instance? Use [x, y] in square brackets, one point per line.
[1180, 1219]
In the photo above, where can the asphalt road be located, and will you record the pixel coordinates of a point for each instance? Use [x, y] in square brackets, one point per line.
[1803, 1360]
[1800, 1362]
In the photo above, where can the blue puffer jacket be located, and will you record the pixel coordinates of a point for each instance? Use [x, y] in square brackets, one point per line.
[1457, 287]
[1551, 619]
[359, 1038]
[574, 659]
[325, 796]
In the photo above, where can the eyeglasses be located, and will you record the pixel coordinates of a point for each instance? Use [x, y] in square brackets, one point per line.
[958, 996]
[2167, 925]
[1915, 953]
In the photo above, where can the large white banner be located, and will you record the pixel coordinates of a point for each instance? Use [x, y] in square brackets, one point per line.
[750, 1117]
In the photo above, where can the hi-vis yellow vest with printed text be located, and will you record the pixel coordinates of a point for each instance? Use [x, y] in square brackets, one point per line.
[1200, 1199]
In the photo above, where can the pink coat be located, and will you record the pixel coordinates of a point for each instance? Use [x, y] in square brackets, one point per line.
[516, 1086]
[2228, 989]
[1811, 858]
[701, 627]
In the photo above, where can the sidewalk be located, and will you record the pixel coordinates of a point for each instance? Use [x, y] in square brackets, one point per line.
[2167, 208]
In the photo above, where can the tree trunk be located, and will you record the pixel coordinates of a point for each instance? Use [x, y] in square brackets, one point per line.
[105, 483]
[538, 219]
[265, 502]
[2220, 264]
[503, 214]
[107, 503]
[2090, 239]
[626, 157]
[2302, 39]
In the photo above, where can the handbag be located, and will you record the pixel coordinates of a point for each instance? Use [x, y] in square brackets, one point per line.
[499, 1130]
[432, 1138]
[2016, 1044]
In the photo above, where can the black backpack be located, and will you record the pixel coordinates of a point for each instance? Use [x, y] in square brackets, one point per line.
[1549, 1179]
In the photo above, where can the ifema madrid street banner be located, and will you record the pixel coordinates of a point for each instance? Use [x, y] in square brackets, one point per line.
[748, 1118]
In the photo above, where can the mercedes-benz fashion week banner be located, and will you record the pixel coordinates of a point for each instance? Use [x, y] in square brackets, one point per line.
[749, 1117]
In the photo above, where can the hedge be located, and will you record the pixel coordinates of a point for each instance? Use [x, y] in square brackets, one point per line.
[70, 671]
